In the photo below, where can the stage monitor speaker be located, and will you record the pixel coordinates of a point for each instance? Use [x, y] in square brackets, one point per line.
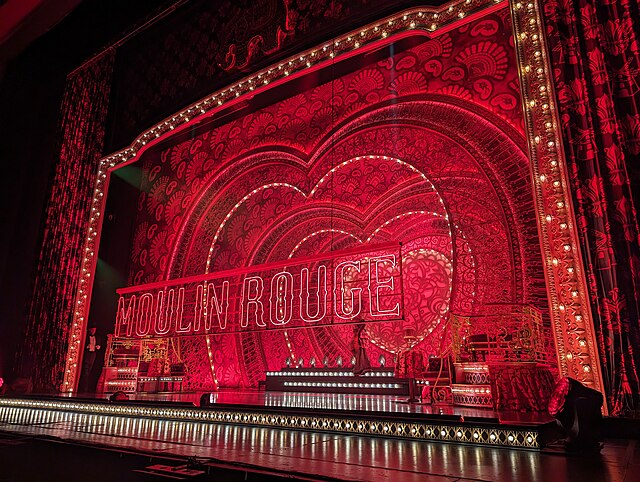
[578, 410]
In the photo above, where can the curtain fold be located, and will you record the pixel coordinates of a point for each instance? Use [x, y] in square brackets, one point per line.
[595, 56]
[83, 116]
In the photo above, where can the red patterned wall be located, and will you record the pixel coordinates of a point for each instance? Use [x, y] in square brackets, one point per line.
[425, 147]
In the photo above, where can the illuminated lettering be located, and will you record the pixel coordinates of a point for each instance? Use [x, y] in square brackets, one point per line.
[211, 306]
[125, 317]
[281, 299]
[175, 309]
[145, 313]
[161, 325]
[249, 301]
[350, 310]
[236, 300]
[321, 309]
[388, 284]
[198, 308]
[221, 307]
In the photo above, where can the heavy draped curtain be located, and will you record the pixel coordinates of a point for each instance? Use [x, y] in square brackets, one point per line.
[595, 54]
[83, 115]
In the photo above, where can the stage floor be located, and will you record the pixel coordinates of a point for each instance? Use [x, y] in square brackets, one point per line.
[387, 404]
[308, 454]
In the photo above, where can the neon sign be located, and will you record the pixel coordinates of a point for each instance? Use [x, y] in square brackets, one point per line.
[363, 283]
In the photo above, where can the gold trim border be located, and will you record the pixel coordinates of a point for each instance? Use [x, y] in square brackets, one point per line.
[570, 309]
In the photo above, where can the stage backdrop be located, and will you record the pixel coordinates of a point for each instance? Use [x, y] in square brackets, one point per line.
[421, 144]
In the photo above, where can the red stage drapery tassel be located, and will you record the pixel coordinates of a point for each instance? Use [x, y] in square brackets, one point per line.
[595, 54]
[83, 116]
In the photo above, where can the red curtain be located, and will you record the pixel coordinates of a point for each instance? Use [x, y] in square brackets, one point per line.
[595, 54]
[84, 110]
[522, 387]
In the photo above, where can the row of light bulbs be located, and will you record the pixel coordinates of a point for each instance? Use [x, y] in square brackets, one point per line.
[551, 184]
[478, 435]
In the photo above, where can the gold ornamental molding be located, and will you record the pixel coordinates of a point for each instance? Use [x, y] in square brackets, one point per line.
[571, 316]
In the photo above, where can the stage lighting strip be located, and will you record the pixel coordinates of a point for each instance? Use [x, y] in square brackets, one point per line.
[428, 19]
[383, 386]
[160, 379]
[472, 395]
[329, 374]
[358, 384]
[477, 435]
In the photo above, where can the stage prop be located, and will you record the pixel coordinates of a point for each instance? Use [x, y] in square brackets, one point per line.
[500, 359]
[376, 381]
[149, 365]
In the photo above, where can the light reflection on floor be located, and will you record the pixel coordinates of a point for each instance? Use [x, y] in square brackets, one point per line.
[341, 401]
[343, 457]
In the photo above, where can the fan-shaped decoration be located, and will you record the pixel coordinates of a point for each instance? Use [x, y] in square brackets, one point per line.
[409, 83]
[366, 81]
[485, 58]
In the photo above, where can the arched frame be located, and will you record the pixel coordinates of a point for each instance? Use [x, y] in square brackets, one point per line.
[569, 308]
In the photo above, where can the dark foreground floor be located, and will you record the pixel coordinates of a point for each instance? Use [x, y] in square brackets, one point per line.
[317, 457]
[32, 459]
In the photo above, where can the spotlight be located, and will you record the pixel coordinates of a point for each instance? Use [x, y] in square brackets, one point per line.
[578, 410]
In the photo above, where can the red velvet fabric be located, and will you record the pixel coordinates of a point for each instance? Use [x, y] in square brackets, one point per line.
[411, 364]
[595, 53]
[84, 111]
[520, 387]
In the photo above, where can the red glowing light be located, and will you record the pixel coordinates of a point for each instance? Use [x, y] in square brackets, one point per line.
[407, 150]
